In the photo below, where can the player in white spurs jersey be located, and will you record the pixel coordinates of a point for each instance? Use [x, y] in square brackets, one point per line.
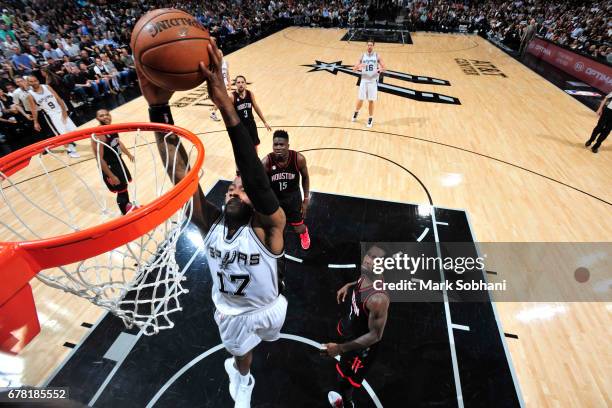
[226, 81]
[243, 242]
[46, 105]
[370, 65]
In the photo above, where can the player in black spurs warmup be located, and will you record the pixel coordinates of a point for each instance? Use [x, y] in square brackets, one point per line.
[244, 102]
[284, 168]
[361, 329]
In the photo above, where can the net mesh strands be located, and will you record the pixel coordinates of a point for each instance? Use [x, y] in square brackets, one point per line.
[139, 281]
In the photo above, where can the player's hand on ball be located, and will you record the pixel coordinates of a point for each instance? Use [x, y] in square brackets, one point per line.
[330, 349]
[214, 77]
[153, 94]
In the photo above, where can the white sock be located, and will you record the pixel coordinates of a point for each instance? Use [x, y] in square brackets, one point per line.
[245, 379]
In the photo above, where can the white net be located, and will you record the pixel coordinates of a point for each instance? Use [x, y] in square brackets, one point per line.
[140, 281]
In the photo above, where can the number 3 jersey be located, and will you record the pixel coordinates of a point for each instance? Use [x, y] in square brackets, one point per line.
[245, 274]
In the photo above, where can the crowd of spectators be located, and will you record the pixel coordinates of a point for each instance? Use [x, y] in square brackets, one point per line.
[81, 47]
[583, 26]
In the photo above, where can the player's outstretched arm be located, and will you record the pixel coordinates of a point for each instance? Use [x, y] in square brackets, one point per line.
[303, 167]
[259, 112]
[378, 306]
[269, 217]
[204, 212]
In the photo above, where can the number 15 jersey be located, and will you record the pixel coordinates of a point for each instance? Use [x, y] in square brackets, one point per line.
[285, 180]
[243, 271]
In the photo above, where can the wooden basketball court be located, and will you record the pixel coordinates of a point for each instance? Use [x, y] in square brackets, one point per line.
[510, 152]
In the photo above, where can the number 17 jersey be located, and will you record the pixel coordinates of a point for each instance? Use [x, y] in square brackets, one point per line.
[244, 272]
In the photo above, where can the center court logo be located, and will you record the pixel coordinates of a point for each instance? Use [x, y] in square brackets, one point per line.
[423, 96]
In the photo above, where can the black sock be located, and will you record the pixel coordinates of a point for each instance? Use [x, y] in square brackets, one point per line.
[123, 200]
[346, 391]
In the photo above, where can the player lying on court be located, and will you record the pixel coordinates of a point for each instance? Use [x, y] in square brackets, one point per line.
[284, 168]
[107, 150]
[361, 329]
[243, 242]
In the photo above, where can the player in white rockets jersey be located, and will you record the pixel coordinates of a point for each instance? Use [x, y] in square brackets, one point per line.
[243, 242]
[46, 104]
[371, 66]
[226, 80]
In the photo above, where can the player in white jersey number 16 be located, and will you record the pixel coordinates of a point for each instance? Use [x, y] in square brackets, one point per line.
[370, 65]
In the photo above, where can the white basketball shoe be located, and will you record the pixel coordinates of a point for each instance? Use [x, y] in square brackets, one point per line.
[234, 377]
[243, 395]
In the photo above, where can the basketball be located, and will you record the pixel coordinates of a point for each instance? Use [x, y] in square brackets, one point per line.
[168, 45]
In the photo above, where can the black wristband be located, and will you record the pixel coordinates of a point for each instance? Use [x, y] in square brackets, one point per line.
[161, 114]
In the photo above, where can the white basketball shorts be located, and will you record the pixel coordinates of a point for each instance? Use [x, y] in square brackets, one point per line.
[241, 333]
[58, 125]
[368, 90]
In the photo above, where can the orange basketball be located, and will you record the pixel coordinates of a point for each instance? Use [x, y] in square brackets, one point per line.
[168, 45]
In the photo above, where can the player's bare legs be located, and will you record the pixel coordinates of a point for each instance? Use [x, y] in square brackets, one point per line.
[243, 363]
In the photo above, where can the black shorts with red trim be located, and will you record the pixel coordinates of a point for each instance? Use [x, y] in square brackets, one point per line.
[121, 172]
[354, 365]
[292, 206]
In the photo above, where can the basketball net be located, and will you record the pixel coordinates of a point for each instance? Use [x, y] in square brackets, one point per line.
[139, 281]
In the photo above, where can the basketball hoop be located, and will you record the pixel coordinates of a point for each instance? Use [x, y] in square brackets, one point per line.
[123, 263]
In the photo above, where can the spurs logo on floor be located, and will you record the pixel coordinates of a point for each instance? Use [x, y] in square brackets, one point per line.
[335, 67]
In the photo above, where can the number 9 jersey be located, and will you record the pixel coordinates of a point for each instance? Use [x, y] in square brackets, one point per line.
[245, 274]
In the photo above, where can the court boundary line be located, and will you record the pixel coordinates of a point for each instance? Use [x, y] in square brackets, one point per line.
[390, 49]
[65, 361]
[449, 322]
[388, 134]
[437, 143]
[293, 337]
[119, 363]
[502, 334]
[377, 156]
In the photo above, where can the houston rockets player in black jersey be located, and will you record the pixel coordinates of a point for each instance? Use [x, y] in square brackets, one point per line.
[284, 168]
[361, 329]
[244, 102]
[114, 171]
